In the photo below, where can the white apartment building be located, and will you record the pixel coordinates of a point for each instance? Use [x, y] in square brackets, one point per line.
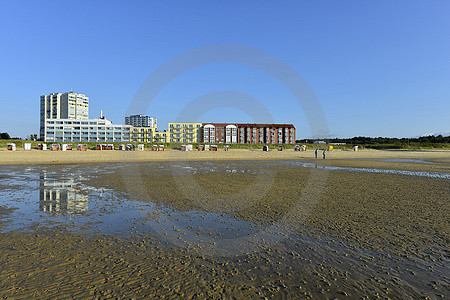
[141, 121]
[84, 130]
[68, 105]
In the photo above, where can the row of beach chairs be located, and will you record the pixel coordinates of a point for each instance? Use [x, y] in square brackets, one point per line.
[140, 147]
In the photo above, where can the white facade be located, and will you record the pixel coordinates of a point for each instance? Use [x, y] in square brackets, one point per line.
[231, 134]
[84, 130]
[209, 133]
[63, 106]
[141, 121]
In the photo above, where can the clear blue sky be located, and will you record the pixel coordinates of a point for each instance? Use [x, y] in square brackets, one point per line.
[378, 68]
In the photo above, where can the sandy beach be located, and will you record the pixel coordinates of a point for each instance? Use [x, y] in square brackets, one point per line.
[92, 156]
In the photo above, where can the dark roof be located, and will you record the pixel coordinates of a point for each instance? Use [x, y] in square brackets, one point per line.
[263, 125]
[249, 124]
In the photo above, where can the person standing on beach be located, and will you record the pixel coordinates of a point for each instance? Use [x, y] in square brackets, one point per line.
[316, 153]
[324, 153]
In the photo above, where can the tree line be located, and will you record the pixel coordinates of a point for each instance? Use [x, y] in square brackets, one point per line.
[6, 136]
[364, 140]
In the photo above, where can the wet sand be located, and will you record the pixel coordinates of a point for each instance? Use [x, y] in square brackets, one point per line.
[399, 212]
[92, 156]
[320, 234]
[64, 265]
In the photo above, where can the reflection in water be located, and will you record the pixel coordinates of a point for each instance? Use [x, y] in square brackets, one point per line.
[61, 196]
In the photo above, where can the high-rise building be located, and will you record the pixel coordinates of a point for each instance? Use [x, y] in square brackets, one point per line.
[68, 105]
[141, 121]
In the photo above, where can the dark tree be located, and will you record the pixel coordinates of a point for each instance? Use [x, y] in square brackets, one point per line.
[4, 136]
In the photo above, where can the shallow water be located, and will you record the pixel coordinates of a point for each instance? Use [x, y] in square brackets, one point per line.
[48, 197]
[60, 197]
[374, 170]
[399, 160]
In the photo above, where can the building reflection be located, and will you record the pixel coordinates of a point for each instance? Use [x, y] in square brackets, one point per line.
[61, 196]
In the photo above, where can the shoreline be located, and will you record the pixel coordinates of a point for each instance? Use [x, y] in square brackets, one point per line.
[38, 157]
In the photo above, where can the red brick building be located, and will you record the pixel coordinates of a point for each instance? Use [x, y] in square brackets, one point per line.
[220, 133]
[230, 133]
[266, 133]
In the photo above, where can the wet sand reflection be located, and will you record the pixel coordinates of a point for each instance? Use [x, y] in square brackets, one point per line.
[61, 196]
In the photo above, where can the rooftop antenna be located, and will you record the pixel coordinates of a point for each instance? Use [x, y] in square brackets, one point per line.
[101, 114]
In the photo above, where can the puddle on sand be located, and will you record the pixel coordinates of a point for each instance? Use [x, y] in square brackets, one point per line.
[56, 197]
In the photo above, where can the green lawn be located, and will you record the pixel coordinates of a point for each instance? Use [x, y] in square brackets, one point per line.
[406, 146]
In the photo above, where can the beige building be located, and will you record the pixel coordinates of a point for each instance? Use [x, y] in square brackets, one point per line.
[185, 132]
[142, 134]
[148, 135]
[161, 137]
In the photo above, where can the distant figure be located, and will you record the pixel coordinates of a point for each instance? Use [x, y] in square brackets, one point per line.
[324, 153]
[316, 153]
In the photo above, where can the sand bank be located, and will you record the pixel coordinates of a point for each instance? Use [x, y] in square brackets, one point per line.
[92, 156]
